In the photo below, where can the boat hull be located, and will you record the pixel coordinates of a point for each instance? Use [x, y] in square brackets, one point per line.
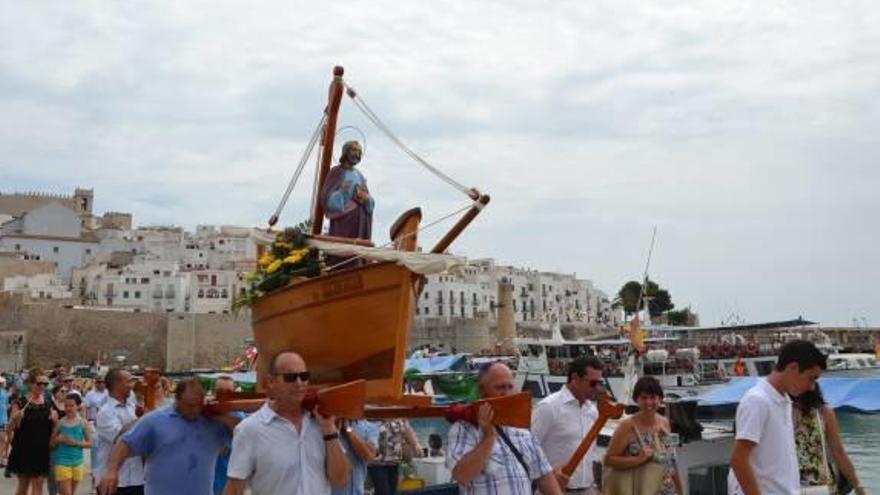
[347, 325]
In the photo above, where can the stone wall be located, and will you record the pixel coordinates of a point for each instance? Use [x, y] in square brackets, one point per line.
[49, 332]
[205, 340]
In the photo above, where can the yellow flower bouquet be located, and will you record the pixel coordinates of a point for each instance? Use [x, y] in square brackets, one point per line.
[287, 259]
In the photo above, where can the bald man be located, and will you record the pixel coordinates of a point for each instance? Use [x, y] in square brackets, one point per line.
[483, 462]
[282, 449]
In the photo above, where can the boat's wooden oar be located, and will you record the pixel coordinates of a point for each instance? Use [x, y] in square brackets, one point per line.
[512, 410]
[343, 401]
[607, 410]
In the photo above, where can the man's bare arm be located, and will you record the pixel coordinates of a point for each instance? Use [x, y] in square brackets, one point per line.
[234, 486]
[740, 462]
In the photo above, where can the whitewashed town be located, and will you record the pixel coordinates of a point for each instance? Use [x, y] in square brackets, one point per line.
[477, 248]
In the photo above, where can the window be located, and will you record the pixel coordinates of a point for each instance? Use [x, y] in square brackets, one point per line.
[224, 294]
[55, 249]
[145, 280]
[18, 247]
[125, 294]
[440, 310]
[213, 279]
[427, 310]
[137, 294]
[155, 272]
[166, 273]
[201, 293]
[88, 251]
[462, 311]
[418, 311]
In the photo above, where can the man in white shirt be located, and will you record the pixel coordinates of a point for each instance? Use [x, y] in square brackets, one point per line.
[562, 419]
[95, 398]
[764, 459]
[283, 449]
[115, 417]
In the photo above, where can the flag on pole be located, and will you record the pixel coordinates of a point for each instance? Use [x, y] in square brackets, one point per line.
[637, 334]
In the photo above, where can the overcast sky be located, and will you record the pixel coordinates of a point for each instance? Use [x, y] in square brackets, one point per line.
[747, 132]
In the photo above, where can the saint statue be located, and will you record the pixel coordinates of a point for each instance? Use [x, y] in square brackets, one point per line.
[345, 197]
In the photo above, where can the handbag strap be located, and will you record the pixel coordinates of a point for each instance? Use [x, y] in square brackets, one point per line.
[821, 426]
[513, 449]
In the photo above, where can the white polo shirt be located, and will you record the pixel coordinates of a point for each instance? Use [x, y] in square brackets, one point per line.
[275, 459]
[559, 423]
[764, 417]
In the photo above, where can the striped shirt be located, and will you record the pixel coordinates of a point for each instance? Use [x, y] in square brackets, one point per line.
[503, 474]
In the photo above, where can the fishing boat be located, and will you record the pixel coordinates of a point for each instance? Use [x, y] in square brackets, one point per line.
[352, 321]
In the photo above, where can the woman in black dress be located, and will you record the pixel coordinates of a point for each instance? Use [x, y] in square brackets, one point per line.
[32, 420]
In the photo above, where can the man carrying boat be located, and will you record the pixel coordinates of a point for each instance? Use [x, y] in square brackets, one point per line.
[283, 449]
[486, 459]
[345, 197]
[180, 445]
[764, 459]
[562, 419]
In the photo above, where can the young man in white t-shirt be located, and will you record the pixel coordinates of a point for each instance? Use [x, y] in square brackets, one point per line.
[764, 459]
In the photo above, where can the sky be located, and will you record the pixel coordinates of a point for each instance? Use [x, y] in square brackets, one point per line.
[746, 132]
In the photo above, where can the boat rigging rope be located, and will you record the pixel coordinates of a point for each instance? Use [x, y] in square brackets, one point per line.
[299, 169]
[389, 243]
[372, 117]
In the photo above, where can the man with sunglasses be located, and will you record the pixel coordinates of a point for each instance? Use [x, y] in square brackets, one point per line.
[562, 419]
[283, 449]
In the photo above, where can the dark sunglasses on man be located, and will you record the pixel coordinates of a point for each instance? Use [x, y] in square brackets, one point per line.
[302, 376]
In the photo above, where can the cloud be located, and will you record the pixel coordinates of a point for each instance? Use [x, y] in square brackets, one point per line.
[743, 130]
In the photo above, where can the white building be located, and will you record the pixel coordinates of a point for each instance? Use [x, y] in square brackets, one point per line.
[50, 232]
[38, 286]
[147, 285]
[538, 296]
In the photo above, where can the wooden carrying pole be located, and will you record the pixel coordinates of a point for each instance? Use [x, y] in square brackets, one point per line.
[481, 201]
[607, 409]
[513, 410]
[332, 112]
[344, 401]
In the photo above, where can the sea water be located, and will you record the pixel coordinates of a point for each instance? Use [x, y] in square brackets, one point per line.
[861, 437]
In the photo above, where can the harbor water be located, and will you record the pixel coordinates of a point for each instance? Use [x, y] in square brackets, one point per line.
[861, 435]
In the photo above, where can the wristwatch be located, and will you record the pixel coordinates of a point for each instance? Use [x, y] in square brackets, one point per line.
[331, 436]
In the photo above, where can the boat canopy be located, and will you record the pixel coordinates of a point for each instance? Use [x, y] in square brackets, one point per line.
[770, 325]
[437, 364]
[648, 340]
[421, 263]
[852, 393]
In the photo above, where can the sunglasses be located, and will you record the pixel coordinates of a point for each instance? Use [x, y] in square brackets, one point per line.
[594, 383]
[302, 376]
[43, 384]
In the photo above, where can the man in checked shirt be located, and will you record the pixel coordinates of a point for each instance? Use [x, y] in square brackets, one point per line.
[483, 463]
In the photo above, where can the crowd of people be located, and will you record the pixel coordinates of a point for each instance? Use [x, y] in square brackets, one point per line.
[786, 441]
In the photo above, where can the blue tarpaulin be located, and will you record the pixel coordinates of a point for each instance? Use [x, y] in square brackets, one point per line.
[856, 393]
[457, 362]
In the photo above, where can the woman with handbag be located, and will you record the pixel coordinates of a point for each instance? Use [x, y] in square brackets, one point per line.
[824, 465]
[32, 421]
[639, 460]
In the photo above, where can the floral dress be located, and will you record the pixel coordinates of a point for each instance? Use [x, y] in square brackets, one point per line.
[662, 454]
[812, 459]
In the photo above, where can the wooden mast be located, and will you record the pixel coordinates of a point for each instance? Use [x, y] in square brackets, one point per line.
[332, 112]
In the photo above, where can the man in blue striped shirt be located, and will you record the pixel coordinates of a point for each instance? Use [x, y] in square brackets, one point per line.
[484, 464]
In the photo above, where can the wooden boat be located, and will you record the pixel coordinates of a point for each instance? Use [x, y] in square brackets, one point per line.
[353, 323]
